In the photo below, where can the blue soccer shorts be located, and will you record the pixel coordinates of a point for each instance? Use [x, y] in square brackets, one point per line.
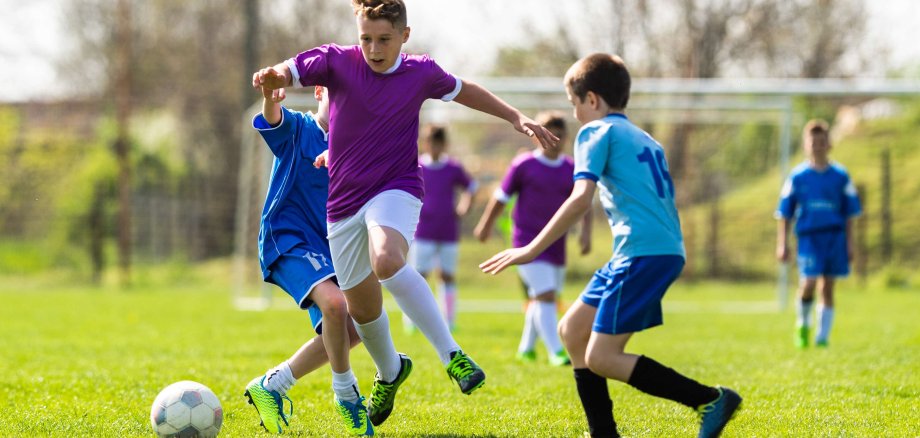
[298, 271]
[823, 254]
[628, 292]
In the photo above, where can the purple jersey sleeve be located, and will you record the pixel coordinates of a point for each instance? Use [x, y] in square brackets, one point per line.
[511, 184]
[313, 67]
[464, 180]
[442, 85]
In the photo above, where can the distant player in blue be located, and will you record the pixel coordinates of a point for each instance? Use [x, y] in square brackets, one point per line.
[624, 296]
[822, 201]
[294, 254]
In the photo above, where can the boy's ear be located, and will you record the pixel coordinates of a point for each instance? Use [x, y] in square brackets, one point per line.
[405, 34]
[593, 101]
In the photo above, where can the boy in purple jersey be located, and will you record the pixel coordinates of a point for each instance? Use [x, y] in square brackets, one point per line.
[542, 180]
[439, 225]
[821, 200]
[375, 183]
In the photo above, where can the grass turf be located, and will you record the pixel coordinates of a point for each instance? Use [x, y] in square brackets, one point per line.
[77, 361]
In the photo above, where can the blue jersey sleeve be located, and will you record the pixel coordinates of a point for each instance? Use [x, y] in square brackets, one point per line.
[787, 202]
[592, 150]
[851, 205]
[279, 138]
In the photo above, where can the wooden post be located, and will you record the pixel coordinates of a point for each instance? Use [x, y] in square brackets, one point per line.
[861, 258]
[885, 210]
[122, 91]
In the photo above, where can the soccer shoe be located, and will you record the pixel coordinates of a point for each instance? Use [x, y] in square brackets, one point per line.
[354, 416]
[716, 414]
[801, 337]
[465, 372]
[529, 356]
[269, 405]
[821, 343]
[383, 394]
[560, 359]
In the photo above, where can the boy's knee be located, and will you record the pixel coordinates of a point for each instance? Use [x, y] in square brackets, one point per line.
[386, 264]
[334, 307]
[447, 278]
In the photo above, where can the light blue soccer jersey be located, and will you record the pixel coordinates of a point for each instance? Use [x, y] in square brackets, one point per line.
[818, 200]
[294, 214]
[635, 186]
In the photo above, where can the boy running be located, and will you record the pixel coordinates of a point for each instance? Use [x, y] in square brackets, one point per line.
[375, 184]
[294, 255]
[821, 199]
[624, 296]
[438, 229]
[542, 181]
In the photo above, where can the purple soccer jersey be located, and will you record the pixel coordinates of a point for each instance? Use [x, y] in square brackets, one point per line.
[542, 186]
[373, 128]
[438, 220]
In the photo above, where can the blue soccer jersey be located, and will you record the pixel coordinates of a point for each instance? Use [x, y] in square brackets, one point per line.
[294, 214]
[636, 189]
[818, 200]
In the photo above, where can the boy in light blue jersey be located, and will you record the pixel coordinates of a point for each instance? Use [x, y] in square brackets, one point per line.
[294, 254]
[819, 196]
[624, 296]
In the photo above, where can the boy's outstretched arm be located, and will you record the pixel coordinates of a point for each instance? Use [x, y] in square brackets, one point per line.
[271, 105]
[478, 98]
[572, 210]
[782, 239]
[484, 228]
[274, 78]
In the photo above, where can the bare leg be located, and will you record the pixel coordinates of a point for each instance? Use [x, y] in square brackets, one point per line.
[312, 355]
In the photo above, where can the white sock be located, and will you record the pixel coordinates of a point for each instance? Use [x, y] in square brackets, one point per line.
[414, 297]
[803, 313]
[407, 323]
[545, 319]
[529, 335]
[379, 344]
[279, 378]
[825, 320]
[448, 292]
[345, 386]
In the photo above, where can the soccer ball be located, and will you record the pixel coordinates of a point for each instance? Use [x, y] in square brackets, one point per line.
[186, 409]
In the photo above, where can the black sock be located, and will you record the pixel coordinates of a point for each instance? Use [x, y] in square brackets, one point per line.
[592, 389]
[656, 379]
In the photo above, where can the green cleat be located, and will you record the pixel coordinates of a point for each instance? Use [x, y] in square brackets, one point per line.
[801, 337]
[465, 372]
[269, 405]
[529, 356]
[354, 416]
[560, 359]
[717, 413]
[383, 394]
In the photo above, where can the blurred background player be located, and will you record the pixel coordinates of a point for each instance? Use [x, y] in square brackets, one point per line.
[294, 255]
[438, 231]
[822, 201]
[541, 180]
[624, 296]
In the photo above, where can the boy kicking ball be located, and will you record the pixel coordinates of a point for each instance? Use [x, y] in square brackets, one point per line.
[624, 296]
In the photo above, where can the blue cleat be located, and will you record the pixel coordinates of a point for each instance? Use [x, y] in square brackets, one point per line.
[717, 413]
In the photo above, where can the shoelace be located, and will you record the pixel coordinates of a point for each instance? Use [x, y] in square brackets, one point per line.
[354, 412]
[460, 366]
[284, 417]
[708, 407]
[379, 395]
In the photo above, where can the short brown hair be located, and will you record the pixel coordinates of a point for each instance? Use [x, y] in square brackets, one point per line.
[393, 11]
[602, 73]
[436, 134]
[551, 119]
[817, 126]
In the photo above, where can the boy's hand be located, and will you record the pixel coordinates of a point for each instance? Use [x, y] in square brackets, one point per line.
[321, 159]
[782, 254]
[269, 77]
[508, 257]
[274, 96]
[537, 132]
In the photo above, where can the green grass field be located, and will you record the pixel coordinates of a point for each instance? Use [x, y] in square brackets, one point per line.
[78, 361]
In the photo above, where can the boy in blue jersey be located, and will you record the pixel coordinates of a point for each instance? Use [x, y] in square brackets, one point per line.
[294, 255]
[821, 199]
[624, 296]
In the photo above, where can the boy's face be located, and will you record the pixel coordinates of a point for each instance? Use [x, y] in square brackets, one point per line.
[817, 145]
[584, 110]
[381, 42]
[435, 147]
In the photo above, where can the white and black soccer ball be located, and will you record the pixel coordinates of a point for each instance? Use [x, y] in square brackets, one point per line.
[186, 409]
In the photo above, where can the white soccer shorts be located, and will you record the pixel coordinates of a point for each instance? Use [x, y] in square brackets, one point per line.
[426, 255]
[541, 277]
[348, 239]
